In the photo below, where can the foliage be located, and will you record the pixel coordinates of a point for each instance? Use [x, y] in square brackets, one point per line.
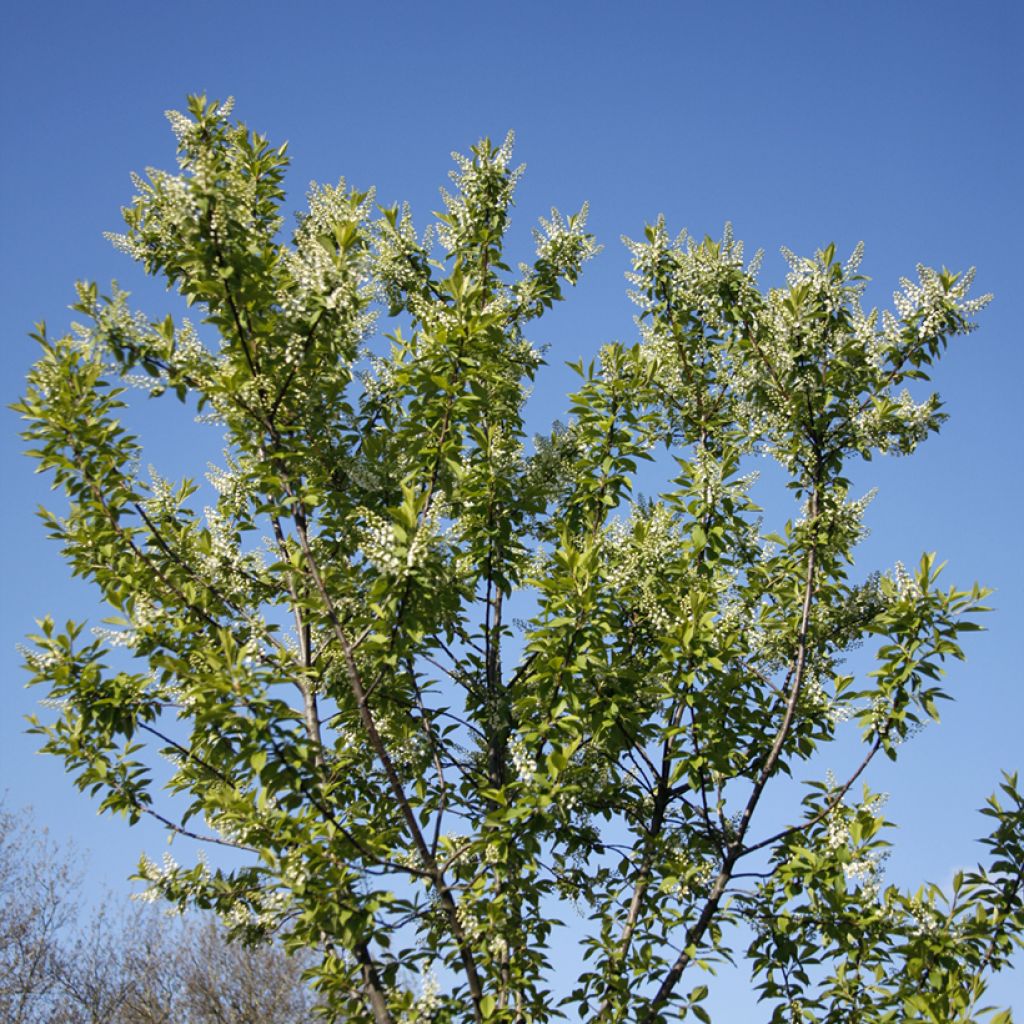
[324, 653]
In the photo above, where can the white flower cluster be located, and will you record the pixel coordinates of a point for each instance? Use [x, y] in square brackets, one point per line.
[483, 185]
[695, 280]
[690, 876]
[569, 803]
[231, 483]
[611, 367]
[927, 922]
[160, 877]
[853, 262]
[864, 874]
[216, 418]
[399, 257]
[906, 586]
[467, 917]
[381, 546]
[929, 301]
[410, 858]
[564, 243]
[189, 355]
[114, 317]
[172, 212]
[707, 478]
[267, 915]
[170, 205]
[538, 563]
[184, 127]
[42, 662]
[875, 343]
[636, 551]
[263, 910]
[438, 321]
[837, 833]
[380, 380]
[222, 539]
[834, 293]
[865, 871]
[504, 453]
[55, 703]
[232, 826]
[391, 555]
[428, 1002]
[844, 520]
[144, 613]
[407, 745]
[224, 565]
[815, 701]
[126, 638]
[895, 426]
[734, 617]
[163, 502]
[323, 277]
[523, 760]
[881, 710]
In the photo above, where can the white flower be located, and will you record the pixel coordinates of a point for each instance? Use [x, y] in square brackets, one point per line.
[525, 765]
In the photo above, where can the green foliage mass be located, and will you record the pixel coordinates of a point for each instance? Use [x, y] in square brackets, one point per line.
[323, 654]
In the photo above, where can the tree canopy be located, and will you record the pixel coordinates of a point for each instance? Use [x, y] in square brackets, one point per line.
[458, 699]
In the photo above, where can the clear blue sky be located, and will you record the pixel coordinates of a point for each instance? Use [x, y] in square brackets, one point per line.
[901, 124]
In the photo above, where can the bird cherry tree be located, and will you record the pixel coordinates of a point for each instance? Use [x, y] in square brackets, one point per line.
[435, 797]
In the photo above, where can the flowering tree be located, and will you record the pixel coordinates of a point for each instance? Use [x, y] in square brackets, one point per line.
[418, 786]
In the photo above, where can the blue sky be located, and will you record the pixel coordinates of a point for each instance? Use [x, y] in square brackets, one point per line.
[802, 123]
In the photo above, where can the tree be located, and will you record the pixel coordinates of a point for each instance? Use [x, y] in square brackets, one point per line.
[136, 967]
[34, 910]
[414, 782]
[66, 963]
